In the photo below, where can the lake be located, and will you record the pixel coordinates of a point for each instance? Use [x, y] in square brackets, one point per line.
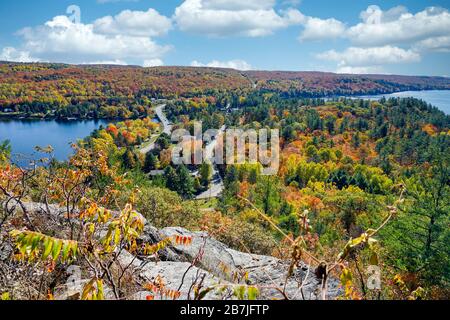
[437, 98]
[26, 134]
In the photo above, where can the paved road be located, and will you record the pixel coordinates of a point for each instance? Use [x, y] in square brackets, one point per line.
[166, 124]
[162, 117]
[216, 187]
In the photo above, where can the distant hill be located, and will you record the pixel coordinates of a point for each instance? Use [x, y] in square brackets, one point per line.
[124, 91]
[324, 84]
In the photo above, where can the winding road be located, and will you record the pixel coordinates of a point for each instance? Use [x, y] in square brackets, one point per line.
[167, 127]
[216, 186]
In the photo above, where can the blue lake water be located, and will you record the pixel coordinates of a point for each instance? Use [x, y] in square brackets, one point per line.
[25, 135]
[437, 98]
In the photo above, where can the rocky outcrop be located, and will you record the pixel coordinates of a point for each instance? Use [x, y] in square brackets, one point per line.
[204, 264]
[211, 264]
[265, 272]
[176, 275]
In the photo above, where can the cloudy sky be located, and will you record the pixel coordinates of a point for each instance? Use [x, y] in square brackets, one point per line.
[345, 36]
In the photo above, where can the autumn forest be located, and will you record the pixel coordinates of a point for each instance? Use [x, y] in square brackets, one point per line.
[362, 185]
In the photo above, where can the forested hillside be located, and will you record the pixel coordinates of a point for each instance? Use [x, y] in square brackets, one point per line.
[345, 165]
[55, 90]
[360, 184]
[321, 84]
[125, 92]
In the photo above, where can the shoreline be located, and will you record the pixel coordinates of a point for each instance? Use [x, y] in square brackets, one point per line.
[6, 117]
[14, 116]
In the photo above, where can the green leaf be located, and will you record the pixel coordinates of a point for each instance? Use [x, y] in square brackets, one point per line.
[65, 250]
[57, 245]
[35, 242]
[74, 248]
[28, 240]
[239, 292]
[48, 244]
[203, 293]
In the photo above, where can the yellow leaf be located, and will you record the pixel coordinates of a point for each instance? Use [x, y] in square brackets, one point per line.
[252, 293]
[87, 290]
[117, 236]
[5, 296]
[100, 295]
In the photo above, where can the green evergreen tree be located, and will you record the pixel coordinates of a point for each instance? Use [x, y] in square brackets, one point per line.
[171, 178]
[185, 182]
[151, 162]
[205, 174]
[5, 151]
[129, 159]
[420, 236]
[253, 176]
[163, 141]
[197, 184]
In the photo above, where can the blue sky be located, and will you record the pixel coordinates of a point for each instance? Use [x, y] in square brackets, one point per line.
[346, 36]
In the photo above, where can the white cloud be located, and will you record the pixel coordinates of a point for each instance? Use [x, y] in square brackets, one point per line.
[397, 26]
[438, 44]
[14, 55]
[428, 29]
[153, 63]
[236, 5]
[379, 28]
[232, 64]
[354, 56]
[374, 15]
[62, 40]
[134, 23]
[321, 29]
[383, 37]
[368, 60]
[252, 18]
[110, 62]
[359, 70]
[145, 64]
